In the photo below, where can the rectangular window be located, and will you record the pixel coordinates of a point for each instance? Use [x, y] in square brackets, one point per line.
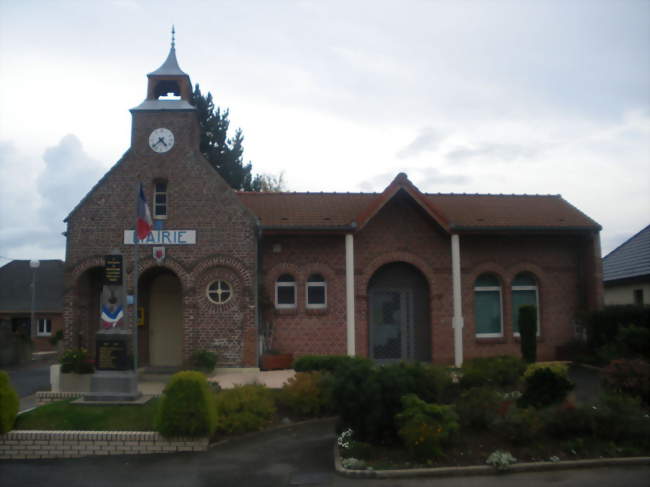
[316, 295]
[487, 312]
[519, 299]
[285, 294]
[160, 201]
[44, 327]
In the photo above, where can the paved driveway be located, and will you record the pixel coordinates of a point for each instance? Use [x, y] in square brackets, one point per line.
[297, 455]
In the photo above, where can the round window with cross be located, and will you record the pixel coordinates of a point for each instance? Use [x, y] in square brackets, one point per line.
[219, 292]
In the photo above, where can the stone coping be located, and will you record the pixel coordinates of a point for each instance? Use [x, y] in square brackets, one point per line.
[483, 469]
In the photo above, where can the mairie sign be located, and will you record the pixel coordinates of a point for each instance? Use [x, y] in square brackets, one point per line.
[163, 237]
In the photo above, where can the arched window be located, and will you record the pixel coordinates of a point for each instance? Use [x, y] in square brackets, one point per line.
[160, 200]
[524, 291]
[285, 291]
[316, 291]
[487, 306]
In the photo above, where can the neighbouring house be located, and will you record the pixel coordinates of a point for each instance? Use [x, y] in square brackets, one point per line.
[16, 279]
[396, 275]
[626, 271]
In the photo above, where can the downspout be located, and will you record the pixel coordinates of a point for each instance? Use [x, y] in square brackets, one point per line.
[457, 320]
[349, 294]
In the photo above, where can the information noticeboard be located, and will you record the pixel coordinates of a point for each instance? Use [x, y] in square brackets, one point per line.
[113, 270]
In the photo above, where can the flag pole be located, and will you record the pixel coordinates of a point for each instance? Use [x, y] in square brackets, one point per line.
[136, 276]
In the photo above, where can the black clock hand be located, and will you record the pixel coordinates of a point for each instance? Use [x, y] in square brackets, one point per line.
[160, 139]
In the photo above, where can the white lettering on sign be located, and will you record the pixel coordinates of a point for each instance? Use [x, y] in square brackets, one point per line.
[163, 237]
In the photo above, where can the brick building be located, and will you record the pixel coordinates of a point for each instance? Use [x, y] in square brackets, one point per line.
[395, 275]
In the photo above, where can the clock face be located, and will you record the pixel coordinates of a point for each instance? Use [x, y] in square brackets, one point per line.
[161, 140]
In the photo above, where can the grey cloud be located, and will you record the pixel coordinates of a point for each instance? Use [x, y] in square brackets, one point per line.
[427, 140]
[504, 152]
[69, 173]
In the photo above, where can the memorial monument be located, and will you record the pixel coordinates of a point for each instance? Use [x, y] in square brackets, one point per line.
[115, 378]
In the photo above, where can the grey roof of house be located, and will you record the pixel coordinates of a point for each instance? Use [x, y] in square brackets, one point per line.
[15, 287]
[630, 259]
[170, 67]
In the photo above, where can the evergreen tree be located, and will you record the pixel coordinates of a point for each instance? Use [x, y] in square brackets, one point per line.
[223, 153]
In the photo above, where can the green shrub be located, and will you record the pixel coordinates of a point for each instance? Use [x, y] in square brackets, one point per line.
[520, 425]
[557, 367]
[244, 408]
[620, 417]
[544, 387]
[478, 407]
[634, 341]
[9, 403]
[425, 428]
[501, 371]
[77, 361]
[568, 421]
[528, 333]
[203, 360]
[629, 377]
[603, 325]
[186, 407]
[56, 338]
[307, 394]
[326, 363]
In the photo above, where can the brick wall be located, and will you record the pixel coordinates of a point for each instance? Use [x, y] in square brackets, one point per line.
[198, 199]
[67, 444]
[401, 232]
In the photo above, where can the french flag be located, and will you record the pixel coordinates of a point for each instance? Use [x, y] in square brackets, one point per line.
[144, 221]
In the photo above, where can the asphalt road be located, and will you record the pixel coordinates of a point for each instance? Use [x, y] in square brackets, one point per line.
[294, 456]
[29, 378]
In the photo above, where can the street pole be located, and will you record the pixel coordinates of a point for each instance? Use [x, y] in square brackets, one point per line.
[33, 264]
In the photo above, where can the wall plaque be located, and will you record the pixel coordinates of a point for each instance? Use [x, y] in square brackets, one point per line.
[112, 354]
[113, 270]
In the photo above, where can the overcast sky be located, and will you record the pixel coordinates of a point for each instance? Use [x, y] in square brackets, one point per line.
[489, 96]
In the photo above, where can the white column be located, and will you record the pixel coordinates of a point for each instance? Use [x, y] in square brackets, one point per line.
[349, 293]
[457, 321]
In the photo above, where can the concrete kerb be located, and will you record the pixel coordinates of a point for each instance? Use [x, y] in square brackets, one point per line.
[472, 470]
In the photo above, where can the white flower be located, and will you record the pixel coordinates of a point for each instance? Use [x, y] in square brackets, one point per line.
[500, 459]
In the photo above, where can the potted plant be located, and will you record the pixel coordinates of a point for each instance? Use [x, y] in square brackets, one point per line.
[76, 370]
[274, 360]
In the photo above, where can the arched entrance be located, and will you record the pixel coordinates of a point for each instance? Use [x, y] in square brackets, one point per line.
[160, 296]
[399, 317]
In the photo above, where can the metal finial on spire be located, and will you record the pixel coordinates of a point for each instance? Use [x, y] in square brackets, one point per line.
[173, 41]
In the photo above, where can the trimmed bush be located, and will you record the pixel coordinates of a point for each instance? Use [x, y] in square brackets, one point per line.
[307, 394]
[77, 362]
[502, 371]
[478, 407]
[244, 408]
[9, 403]
[544, 387]
[203, 361]
[528, 333]
[557, 367]
[425, 428]
[326, 363]
[186, 407]
[629, 377]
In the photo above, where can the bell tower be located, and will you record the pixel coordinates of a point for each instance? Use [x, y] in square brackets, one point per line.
[166, 121]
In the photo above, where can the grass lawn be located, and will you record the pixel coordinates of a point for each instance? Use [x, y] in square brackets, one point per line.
[62, 415]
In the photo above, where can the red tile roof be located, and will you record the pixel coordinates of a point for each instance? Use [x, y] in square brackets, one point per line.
[455, 212]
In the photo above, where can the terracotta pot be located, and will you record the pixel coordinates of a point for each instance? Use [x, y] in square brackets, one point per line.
[276, 361]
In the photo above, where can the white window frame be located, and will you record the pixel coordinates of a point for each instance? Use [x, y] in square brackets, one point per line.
[292, 284]
[322, 284]
[491, 289]
[218, 282]
[157, 216]
[43, 321]
[526, 288]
